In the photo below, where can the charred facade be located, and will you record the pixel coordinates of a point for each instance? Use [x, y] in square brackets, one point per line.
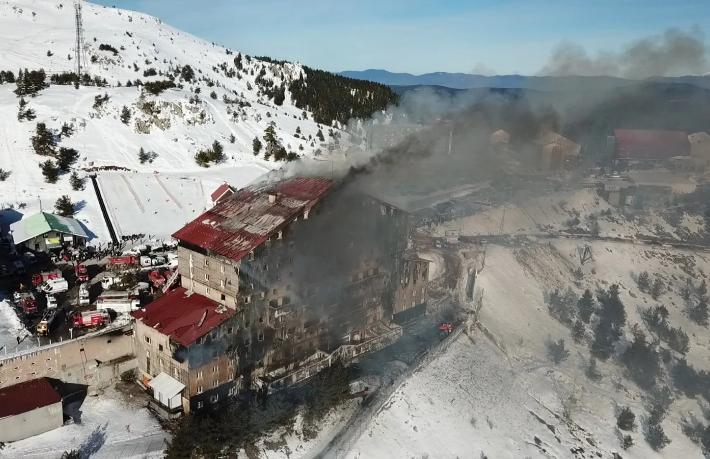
[313, 271]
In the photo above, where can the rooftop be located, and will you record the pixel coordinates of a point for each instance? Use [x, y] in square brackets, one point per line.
[241, 222]
[183, 317]
[221, 191]
[27, 396]
[43, 222]
[651, 144]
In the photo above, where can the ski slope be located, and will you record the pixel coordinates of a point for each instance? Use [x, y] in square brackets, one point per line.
[174, 125]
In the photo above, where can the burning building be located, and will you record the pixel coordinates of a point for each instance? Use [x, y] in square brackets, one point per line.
[305, 273]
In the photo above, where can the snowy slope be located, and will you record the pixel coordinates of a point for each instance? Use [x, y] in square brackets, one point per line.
[175, 124]
[494, 393]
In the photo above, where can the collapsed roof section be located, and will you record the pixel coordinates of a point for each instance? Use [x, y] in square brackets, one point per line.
[242, 222]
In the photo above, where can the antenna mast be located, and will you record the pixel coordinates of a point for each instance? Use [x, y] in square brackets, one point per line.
[79, 40]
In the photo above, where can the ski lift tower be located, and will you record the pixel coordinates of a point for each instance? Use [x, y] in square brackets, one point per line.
[79, 45]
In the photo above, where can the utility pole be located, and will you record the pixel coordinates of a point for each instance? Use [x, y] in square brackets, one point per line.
[79, 41]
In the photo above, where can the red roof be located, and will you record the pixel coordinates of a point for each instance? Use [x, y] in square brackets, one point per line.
[27, 396]
[651, 144]
[182, 317]
[220, 192]
[240, 223]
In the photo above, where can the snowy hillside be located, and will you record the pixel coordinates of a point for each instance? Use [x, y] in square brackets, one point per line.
[225, 97]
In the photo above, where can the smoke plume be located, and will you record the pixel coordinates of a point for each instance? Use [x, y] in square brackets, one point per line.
[673, 53]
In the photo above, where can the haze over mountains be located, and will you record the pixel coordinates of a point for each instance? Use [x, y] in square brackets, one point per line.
[541, 83]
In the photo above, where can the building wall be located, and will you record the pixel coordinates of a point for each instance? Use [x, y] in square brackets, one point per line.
[35, 422]
[412, 288]
[209, 276]
[96, 360]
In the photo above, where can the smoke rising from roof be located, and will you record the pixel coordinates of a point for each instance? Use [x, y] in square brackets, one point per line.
[672, 53]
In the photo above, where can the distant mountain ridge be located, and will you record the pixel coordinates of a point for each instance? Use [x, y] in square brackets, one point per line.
[542, 83]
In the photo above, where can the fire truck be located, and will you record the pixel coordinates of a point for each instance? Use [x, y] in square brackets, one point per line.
[26, 301]
[82, 274]
[90, 319]
[39, 278]
[122, 262]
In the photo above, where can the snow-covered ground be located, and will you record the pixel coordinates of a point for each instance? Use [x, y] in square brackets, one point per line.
[160, 203]
[496, 393]
[10, 329]
[175, 125]
[111, 427]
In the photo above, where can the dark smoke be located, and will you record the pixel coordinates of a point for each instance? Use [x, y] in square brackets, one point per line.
[675, 52]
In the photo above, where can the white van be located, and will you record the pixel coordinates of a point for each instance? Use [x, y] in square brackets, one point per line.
[54, 286]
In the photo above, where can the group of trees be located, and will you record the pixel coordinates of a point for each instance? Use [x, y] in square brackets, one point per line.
[333, 97]
[272, 146]
[148, 156]
[657, 320]
[44, 143]
[6, 76]
[30, 82]
[157, 87]
[24, 112]
[655, 288]
[214, 154]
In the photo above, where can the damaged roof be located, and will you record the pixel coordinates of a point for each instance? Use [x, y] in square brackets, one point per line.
[650, 144]
[184, 317]
[241, 222]
[27, 396]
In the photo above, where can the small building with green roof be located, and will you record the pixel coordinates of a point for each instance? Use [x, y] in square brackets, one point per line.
[44, 232]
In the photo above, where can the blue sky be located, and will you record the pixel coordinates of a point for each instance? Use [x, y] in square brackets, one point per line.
[417, 36]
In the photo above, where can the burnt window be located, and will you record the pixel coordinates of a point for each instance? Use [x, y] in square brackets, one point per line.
[160, 347]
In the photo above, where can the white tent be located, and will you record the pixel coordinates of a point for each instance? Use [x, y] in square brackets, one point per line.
[167, 390]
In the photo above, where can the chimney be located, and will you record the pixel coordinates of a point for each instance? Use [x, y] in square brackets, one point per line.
[272, 197]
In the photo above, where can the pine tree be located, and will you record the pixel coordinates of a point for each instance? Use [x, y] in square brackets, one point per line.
[66, 158]
[125, 115]
[698, 313]
[644, 281]
[256, 146]
[626, 419]
[76, 182]
[556, 351]
[585, 306]
[232, 138]
[64, 206]
[320, 135]
[578, 331]
[43, 141]
[657, 288]
[50, 171]
[612, 318]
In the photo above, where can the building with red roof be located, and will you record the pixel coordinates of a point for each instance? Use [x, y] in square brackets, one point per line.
[182, 337]
[650, 145]
[29, 408]
[222, 191]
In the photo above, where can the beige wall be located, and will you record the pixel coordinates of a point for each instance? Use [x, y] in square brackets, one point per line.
[35, 422]
[95, 360]
[412, 289]
[213, 277]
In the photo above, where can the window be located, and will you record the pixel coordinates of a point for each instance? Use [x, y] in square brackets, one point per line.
[200, 389]
[214, 398]
[221, 283]
[215, 369]
[221, 268]
[215, 383]
[207, 276]
[222, 297]
[260, 336]
[247, 299]
[232, 391]
[160, 347]
[207, 291]
[207, 262]
[229, 330]
[199, 405]
[199, 374]
[147, 339]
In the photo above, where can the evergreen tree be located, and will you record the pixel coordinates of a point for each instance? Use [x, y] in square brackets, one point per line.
[585, 306]
[217, 152]
[256, 146]
[143, 157]
[320, 135]
[578, 331]
[187, 73]
[76, 182]
[644, 281]
[43, 141]
[626, 419]
[66, 130]
[642, 360]
[698, 313]
[556, 351]
[612, 318]
[49, 171]
[232, 138]
[64, 206]
[125, 115]
[657, 288]
[656, 437]
[66, 158]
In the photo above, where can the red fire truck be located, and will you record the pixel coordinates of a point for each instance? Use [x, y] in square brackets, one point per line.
[39, 278]
[82, 274]
[90, 319]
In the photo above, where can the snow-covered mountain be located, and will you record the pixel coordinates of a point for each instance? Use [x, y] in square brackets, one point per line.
[225, 101]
